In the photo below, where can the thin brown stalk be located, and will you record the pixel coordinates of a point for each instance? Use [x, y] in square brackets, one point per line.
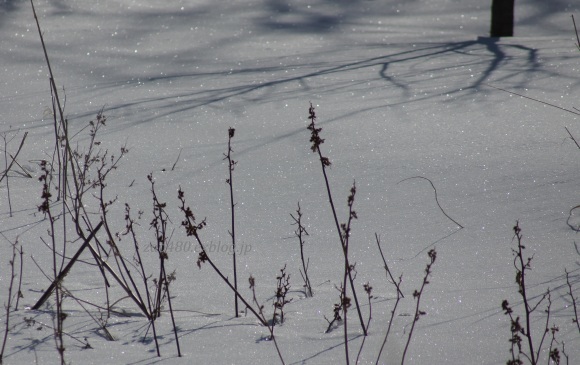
[19, 294]
[576, 32]
[400, 295]
[192, 228]
[252, 282]
[325, 162]
[300, 232]
[230, 182]
[574, 306]
[368, 290]
[436, 198]
[417, 294]
[13, 158]
[150, 309]
[8, 304]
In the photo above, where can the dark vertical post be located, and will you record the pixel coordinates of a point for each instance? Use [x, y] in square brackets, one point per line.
[502, 18]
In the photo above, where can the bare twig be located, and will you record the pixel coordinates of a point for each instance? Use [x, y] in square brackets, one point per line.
[300, 232]
[192, 227]
[417, 294]
[572, 137]
[399, 293]
[177, 160]
[387, 271]
[348, 268]
[519, 331]
[8, 304]
[368, 290]
[19, 294]
[536, 100]
[337, 310]
[252, 282]
[149, 310]
[325, 162]
[574, 306]
[159, 224]
[6, 174]
[436, 199]
[13, 158]
[9, 166]
[576, 32]
[282, 289]
[230, 182]
[65, 271]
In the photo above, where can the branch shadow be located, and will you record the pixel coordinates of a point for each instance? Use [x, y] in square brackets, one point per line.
[272, 90]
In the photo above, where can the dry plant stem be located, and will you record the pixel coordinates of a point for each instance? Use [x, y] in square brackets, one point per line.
[574, 306]
[19, 294]
[263, 317]
[159, 224]
[387, 271]
[177, 160]
[436, 198]
[554, 353]
[172, 316]
[56, 284]
[515, 340]
[397, 284]
[337, 310]
[62, 138]
[521, 281]
[536, 100]
[7, 179]
[9, 167]
[60, 275]
[324, 161]
[63, 168]
[52, 82]
[68, 161]
[8, 305]
[135, 294]
[517, 329]
[345, 233]
[56, 104]
[81, 163]
[399, 297]
[576, 32]
[345, 305]
[230, 182]
[191, 228]
[300, 232]
[417, 294]
[282, 289]
[149, 310]
[368, 290]
[547, 324]
[572, 137]
[101, 325]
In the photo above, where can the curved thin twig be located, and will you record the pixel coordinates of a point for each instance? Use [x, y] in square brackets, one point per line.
[573, 227]
[436, 199]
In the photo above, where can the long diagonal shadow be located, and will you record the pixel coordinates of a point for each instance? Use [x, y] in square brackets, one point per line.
[273, 89]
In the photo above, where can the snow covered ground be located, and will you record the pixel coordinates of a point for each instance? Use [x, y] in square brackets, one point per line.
[400, 89]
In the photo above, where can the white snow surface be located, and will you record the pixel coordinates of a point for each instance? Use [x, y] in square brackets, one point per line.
[400, 88]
